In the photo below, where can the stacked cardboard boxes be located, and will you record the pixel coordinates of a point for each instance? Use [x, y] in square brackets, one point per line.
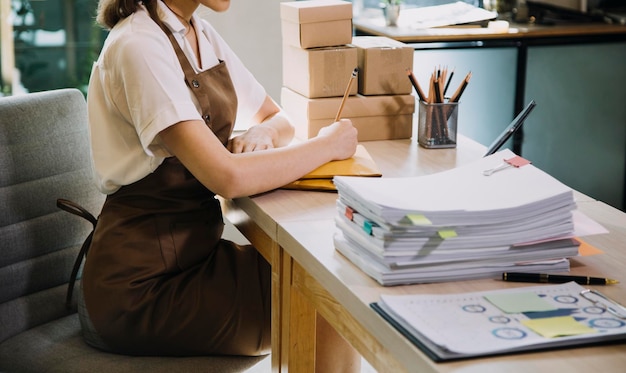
[319, 56]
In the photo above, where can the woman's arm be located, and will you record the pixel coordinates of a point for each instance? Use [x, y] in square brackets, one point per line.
[242, 174]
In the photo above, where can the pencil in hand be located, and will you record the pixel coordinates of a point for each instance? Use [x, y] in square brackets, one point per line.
[346, 93]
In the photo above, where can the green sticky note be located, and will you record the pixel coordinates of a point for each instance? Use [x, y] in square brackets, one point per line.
[519, 302]
[447, 234]
[367, 227]
[560, 326]
[417, 219]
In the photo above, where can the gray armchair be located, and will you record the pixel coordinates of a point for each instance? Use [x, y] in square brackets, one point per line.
[45, 155]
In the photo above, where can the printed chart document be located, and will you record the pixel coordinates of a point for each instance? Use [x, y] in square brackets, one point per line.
[455, 326]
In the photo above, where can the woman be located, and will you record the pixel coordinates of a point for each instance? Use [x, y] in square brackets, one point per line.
[163, 98]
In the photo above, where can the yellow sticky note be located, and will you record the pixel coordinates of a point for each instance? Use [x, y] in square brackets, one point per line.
[560, 326]
[416, 219]
[447, 233]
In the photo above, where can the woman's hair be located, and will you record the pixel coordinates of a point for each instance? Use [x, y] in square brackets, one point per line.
[110, 12]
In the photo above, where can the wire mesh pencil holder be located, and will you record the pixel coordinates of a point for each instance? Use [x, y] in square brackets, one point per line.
[437, 124]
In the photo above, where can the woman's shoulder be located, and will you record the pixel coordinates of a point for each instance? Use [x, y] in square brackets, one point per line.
[136, 35]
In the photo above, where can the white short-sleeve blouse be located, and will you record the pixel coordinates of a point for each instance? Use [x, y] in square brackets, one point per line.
[137, 89]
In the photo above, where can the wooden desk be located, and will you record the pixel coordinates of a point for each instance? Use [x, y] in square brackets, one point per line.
[293, 229]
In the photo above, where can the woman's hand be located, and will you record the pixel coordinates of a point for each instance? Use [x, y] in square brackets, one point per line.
[343, 137]
[258, 137]
[270, 128]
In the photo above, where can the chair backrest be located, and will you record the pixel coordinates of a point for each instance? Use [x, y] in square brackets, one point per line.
[44, 155]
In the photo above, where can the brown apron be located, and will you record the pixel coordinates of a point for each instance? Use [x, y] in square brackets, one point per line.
[158, 279]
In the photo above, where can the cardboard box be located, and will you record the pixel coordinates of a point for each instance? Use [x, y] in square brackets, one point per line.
[375, 117]
[316, 23]
[319, 72]
[382, 65]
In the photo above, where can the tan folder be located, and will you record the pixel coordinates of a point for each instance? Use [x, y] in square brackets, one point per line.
[321, 179]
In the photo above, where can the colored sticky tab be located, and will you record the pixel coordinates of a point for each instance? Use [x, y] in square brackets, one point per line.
[417, 219]
[449, 233]
[561, 326]
[519, 302]
[517, 161]
[349, 213]
[367, 227]
[585, 249]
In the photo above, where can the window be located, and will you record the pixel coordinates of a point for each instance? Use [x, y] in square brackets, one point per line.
[48, 44]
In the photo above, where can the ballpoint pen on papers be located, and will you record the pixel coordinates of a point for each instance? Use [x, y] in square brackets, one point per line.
[556, 279]
[346, 94]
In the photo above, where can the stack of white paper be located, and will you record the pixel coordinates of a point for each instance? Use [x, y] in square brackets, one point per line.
[457, 224]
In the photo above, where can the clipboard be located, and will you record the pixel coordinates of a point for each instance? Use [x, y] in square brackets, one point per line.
[447, 327]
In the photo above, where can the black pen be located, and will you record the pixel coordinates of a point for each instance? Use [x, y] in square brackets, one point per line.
[511, 128]
[556, 279]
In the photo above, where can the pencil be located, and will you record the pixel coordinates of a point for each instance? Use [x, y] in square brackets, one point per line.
[440, 116]
[442, 80]
[445, 89]
[431, 89]
[346, 94]
[437, 88]
[457, 95]
[429, 112]
[416, 85]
